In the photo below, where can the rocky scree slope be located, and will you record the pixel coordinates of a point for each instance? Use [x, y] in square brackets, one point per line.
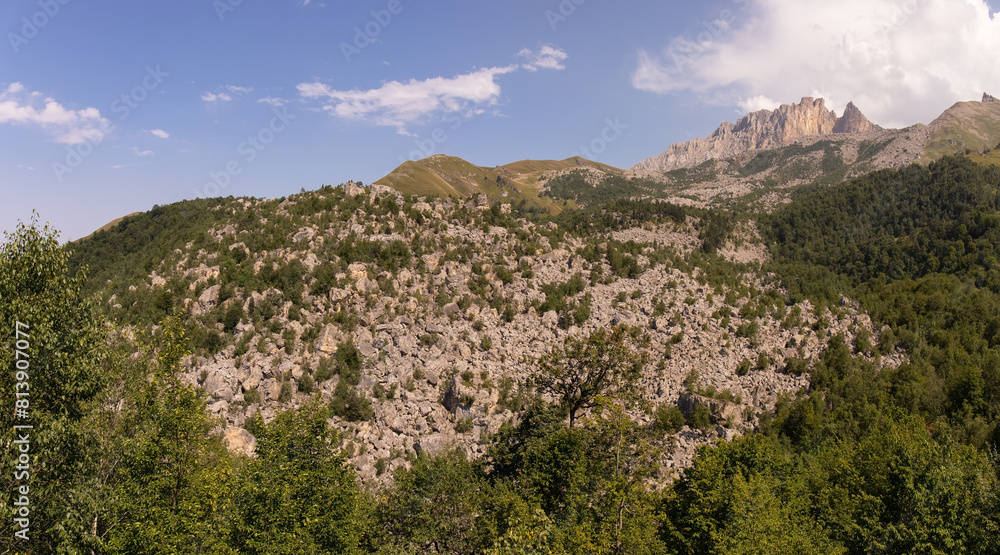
[421, 320]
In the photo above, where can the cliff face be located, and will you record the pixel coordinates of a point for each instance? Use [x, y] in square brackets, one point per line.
[764, 129]
[853, 121]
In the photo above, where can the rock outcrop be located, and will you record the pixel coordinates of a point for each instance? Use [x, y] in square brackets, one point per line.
[988, 98]
[761, 130]
[853, 121]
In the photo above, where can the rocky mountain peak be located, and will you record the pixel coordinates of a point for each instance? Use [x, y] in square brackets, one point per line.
[988, 98]
[760, 130]
[853, 121]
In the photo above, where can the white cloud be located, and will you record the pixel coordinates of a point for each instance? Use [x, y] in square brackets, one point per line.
[213, 97]
[900, 62]
[65, 125]
[759, 102]
[226, 93]
[29, 168]
[160, 133]
[396, 104]
[273, 101]
[548, 57]
[138, 152]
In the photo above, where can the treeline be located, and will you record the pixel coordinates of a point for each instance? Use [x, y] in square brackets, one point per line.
[918, 247]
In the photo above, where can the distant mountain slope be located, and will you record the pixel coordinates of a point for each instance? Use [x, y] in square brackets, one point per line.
[110, 224]
[966, 125]
[517, 182]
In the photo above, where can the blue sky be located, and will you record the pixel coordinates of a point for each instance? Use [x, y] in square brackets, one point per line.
[109, 108]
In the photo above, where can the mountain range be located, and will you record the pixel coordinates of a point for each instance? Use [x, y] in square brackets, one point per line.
[759, 159]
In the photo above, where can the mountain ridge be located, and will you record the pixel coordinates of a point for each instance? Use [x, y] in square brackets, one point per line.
[441, 175]
[761, 130]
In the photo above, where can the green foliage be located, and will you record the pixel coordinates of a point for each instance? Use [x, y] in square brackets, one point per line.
[298, 495]
[748, 329]
[743, 368]
[714, 228]
[700, 418]
[306, 384]
[743, 497]
[918, 247]
[171, 464]
[603, 364]
[622, 213]
[349, 404]
[62, 351]
[390, 256]
[127, 252]
[232, 317]
[348, 362]
[668, 418]
[433, 507]
[463, 425]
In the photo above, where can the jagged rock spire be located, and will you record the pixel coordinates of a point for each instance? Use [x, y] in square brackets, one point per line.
[759, 130]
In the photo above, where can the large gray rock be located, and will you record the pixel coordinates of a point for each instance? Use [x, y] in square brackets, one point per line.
[220, 383]
[210, 295]
[432, 444]
[328, 339]
[239, 441]
[550, 319]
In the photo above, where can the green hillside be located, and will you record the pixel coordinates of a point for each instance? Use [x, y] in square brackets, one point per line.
[973, 126]
[515, 183]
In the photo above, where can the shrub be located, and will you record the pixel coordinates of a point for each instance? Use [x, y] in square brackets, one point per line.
[350, 405]
[429, 339]
[251, 396]
[306, 384]
[325, 370]
[748, 330]
[349, 362]
[285, 395]
[463, 425]
[289, 337]
[700, 418]
[796, 366]
[668, 418]
[763, 361]
[232, 316]
[744, 368]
